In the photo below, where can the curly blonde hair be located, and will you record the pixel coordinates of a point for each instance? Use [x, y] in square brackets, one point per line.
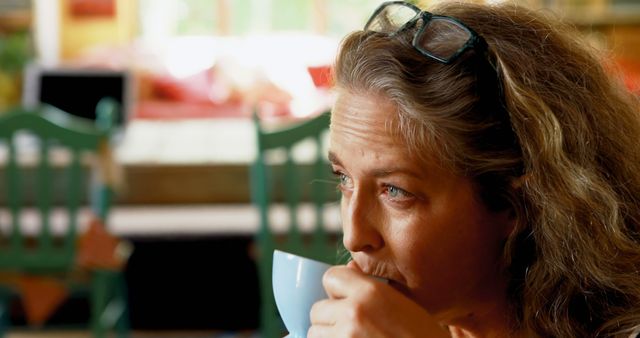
[545, 131]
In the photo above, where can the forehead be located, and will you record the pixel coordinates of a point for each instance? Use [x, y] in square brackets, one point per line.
[369, 123]
[364, 115]
[366, 123]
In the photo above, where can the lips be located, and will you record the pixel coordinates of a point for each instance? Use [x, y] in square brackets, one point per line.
[398, 286]
[382, 272]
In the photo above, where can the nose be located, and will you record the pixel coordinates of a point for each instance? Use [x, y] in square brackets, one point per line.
[361, 222]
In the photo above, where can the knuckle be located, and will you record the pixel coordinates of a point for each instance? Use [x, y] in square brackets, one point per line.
[313, 332]
[370, 289]
[328, 275]
[352, 331]
[315, 309]
[357, 313]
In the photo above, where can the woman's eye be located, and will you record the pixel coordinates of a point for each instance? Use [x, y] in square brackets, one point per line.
[345, 181]
[397, 194]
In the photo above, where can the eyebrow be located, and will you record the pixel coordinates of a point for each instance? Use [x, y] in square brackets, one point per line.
[382, 172]
[333, 158]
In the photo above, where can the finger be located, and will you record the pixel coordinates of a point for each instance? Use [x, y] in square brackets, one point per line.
[341, 281]
[320, 331]
[325, 312]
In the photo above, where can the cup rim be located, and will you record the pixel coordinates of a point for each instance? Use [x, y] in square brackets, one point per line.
[303, 258]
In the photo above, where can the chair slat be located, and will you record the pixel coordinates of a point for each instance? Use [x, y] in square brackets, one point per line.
[73, 200]
[320, 240]
[260, 195]
[318, 190]
[292, 197]
[44, 196]
[14, 196]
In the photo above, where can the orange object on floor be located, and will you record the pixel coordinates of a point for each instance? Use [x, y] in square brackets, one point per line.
[41, 296]
[97, 249]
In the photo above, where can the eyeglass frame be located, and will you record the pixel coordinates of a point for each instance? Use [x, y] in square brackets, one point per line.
[475, 40]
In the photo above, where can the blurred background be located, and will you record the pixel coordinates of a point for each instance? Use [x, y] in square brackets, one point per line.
[189, 76]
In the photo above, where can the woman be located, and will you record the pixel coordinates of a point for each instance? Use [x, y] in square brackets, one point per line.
[490, 170]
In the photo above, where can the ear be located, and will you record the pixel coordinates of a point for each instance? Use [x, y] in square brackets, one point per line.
[511, 216]
[520, 181]
[508, 222]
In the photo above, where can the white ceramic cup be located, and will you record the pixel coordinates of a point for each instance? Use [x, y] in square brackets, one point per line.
[297, 285]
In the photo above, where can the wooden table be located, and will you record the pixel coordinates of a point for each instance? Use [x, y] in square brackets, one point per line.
[190, 161]
[186, 161]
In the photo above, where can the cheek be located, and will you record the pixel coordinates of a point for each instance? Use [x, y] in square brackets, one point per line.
[444, 259]
[343, 212]
[344, 208]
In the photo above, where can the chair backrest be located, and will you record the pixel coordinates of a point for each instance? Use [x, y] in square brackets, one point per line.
[49, 129]
[291, 174]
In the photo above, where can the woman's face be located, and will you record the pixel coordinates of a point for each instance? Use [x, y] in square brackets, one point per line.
[415, 223]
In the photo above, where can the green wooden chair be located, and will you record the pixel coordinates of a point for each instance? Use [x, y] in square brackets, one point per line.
[280, 180]
[49, 254]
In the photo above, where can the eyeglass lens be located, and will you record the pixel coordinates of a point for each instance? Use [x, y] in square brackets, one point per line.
[443, 38]
[391, 18]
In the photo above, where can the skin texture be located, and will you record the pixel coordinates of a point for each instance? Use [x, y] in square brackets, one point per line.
[416, 224]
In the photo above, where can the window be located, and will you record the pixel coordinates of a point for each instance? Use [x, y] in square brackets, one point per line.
[241, 17]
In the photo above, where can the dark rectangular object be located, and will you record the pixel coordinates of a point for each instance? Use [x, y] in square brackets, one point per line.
[77, 91]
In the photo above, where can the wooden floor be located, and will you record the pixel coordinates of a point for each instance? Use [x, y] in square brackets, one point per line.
[163, 334]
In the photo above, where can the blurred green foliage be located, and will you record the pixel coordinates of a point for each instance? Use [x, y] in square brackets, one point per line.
[15, 51]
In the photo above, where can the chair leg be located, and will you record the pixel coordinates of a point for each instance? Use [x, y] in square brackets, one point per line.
[4, 316]
[122, 325]
[270, 323]
[5, 303]
[109, 301]
[99, 296]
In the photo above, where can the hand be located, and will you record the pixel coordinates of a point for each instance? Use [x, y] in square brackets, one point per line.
[361, 306]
